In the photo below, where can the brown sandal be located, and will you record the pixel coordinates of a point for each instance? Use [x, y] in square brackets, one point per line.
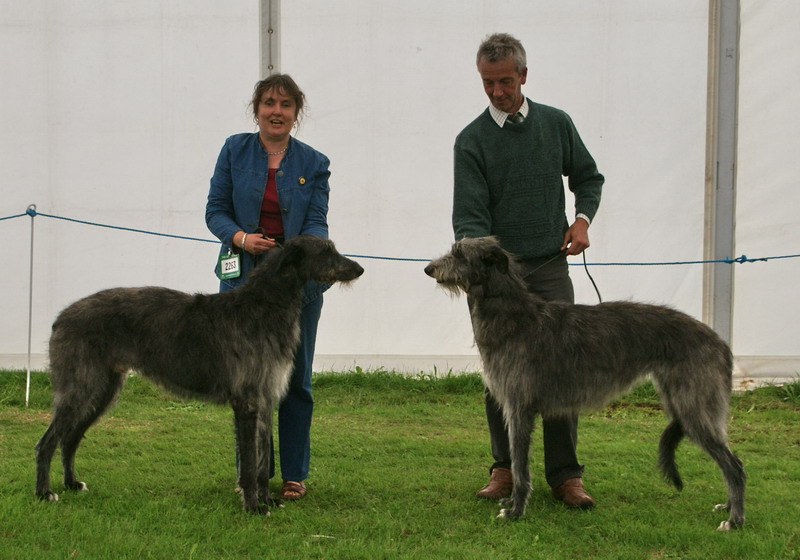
[292, 490]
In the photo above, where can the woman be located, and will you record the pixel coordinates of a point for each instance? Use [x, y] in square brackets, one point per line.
[268, 187]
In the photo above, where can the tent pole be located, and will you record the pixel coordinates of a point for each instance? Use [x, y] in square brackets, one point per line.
[269, 37]
[32, 213]
[721, 143]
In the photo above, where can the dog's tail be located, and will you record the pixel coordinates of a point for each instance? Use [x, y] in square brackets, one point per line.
[672, 436]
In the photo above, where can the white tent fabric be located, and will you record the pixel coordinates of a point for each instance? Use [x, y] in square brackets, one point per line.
[115, 112]
[765, 336]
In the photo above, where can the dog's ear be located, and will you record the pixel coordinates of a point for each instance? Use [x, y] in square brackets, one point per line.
[499, 258]
[290, 255]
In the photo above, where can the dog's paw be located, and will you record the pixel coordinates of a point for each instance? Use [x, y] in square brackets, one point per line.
[506, 502]
[506, 513]
[48, 497]
[721, 507]
[732, 524]
[270, 501]
[259, 509]
[77, 486]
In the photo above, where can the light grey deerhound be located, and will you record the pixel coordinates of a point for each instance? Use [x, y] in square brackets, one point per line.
[556, 358]
[194, 345]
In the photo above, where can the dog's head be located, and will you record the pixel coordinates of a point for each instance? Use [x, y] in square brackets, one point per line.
[470, 262]
[317, 259]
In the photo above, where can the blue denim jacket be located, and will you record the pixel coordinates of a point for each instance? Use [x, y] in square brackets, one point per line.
[237, 189]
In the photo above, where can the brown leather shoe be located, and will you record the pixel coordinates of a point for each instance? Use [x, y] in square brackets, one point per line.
[573, 495]
[499, 485]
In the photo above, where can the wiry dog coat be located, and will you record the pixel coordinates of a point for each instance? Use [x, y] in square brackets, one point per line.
[554, 358]
[235, 347]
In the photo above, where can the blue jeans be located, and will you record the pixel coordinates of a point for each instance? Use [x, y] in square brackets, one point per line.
[296, 409]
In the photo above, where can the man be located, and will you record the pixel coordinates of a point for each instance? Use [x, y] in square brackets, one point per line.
[509, 164]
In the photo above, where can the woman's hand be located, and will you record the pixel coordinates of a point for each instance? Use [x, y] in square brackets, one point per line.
[254, 243]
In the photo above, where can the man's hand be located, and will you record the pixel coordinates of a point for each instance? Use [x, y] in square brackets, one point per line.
[576, 240]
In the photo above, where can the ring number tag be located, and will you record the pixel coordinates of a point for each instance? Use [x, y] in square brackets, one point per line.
[229, 266]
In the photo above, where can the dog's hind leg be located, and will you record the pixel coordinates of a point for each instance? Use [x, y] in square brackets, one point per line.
[69, 446]
[708, 430]
[106, 386]
[702, 412]
[245, 414]
[520, 426]
[75, 407]
[735, 478]
[45, 449]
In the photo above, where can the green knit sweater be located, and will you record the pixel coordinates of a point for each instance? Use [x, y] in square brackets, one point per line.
[508, 181]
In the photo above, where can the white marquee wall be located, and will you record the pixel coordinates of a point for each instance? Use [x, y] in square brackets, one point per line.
[115, 112]
[767, 301]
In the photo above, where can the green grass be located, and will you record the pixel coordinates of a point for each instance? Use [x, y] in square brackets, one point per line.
[396, 462]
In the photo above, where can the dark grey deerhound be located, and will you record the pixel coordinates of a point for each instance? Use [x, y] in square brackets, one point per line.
[556, 358]
[198, 346]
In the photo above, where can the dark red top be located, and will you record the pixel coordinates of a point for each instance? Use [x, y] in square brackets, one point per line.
[271, 222]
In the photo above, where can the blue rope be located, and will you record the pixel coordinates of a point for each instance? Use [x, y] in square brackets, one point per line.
[741, 259]
[386, 258]
[32, 213]
[14, 216]
[738, 260]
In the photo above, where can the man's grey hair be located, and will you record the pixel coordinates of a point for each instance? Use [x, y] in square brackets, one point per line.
[500, 46]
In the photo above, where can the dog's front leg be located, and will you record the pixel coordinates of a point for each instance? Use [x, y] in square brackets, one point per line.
[245, 414]
[265, 454]
[520, 426]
